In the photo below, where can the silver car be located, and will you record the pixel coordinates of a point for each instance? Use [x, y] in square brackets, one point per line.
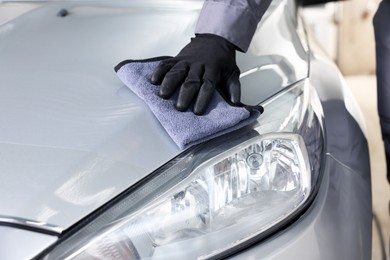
[87, 172]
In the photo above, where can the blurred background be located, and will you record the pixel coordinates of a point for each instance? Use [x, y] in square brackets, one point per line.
[344, 30]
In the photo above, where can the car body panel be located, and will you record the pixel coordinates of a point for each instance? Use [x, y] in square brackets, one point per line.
[72, 136]
[22, 244]
[72, 139]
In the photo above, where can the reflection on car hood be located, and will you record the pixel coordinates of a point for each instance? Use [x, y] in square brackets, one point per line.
[71, 135]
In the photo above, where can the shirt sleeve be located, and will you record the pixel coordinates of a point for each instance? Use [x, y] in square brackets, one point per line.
[234, 20]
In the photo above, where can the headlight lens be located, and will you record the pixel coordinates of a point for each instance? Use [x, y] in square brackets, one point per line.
[215, 197]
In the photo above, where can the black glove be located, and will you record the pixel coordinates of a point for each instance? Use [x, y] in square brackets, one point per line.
[206, 63]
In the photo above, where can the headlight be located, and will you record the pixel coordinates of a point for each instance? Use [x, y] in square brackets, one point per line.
[217, 196]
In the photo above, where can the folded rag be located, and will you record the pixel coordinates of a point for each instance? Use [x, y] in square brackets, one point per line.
[185, 128]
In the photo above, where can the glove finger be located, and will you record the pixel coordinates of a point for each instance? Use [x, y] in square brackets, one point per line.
[190, 87]
[173, 79]
[161, 70]
[233, 86]
[206, 92]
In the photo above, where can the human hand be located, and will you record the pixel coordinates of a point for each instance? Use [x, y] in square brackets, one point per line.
[207, 63]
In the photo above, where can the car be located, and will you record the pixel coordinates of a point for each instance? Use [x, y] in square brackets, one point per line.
[87, 172]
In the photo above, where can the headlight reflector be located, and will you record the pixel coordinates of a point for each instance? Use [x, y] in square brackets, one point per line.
[223, 202]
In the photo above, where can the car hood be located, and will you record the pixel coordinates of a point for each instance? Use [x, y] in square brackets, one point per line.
[72, 136]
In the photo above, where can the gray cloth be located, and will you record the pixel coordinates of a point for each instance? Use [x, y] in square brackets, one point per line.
[234, 20]
[382, 40]
[185, 128]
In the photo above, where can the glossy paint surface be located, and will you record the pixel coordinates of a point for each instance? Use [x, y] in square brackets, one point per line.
[22, 244]
[72, 136]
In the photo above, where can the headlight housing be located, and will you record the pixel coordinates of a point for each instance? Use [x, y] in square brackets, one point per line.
[216, 196]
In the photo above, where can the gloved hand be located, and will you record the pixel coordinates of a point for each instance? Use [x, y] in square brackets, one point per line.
[206, 63]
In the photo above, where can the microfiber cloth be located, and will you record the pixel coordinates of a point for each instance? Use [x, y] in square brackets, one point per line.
[185, 128]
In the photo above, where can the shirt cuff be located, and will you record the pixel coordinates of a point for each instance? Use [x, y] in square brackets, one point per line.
[233, 23]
